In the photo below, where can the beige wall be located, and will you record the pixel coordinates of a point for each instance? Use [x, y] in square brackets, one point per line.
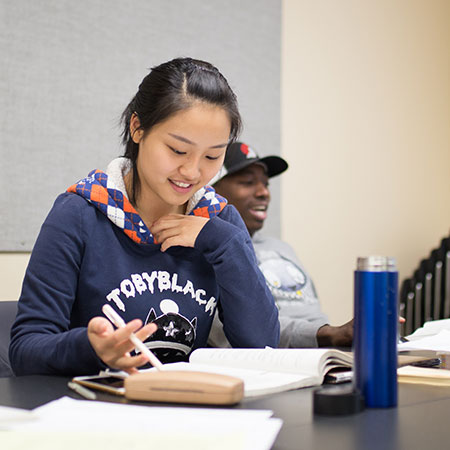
[366, 129]
[12, 270]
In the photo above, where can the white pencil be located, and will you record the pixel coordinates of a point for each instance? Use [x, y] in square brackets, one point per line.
[119, 323]
[84, 392]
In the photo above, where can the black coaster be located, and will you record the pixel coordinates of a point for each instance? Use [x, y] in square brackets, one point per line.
[337, 400]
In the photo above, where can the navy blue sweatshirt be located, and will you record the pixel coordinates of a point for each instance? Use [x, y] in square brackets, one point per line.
[82, 260]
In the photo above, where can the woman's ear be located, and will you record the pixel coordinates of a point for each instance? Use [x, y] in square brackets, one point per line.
[136, 132]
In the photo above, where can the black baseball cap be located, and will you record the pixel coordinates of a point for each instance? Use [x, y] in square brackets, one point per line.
[240, 155]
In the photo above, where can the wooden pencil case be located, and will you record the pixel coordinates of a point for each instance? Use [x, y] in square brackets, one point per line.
[184, 387]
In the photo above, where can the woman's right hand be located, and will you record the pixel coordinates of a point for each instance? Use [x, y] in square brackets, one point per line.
[113, 347]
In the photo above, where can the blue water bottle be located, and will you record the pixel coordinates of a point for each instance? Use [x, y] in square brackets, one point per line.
[375, 338]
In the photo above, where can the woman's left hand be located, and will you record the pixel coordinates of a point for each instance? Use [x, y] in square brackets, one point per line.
[177, 229]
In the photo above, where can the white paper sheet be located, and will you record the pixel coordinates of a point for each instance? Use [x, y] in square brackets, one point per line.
[436, 342]
[430, 328]
[87, 422]
[9, 416]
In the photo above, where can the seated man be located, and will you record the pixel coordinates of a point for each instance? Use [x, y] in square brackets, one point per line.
[243, 181]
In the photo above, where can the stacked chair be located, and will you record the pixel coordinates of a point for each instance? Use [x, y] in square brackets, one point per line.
[8, 310]
[425, 295]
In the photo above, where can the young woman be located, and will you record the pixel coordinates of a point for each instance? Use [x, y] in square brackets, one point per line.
[148, 237]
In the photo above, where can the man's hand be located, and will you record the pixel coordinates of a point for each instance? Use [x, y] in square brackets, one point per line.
[329, 336]
[177, 229]
[113, 347]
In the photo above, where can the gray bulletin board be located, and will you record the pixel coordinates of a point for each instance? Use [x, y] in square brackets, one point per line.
[69, 67]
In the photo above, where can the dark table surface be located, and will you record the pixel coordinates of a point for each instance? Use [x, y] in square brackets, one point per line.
[421, 421]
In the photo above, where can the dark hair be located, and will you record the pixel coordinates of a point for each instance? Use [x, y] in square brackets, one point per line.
[172, 87]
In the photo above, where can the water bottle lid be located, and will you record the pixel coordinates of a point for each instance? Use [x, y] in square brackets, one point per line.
[337, 400]
[376, 264]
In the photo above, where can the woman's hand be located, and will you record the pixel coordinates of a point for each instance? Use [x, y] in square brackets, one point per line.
[177, 229]
[113, 347]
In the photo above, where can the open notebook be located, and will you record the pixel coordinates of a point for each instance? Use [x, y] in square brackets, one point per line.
[266, 371]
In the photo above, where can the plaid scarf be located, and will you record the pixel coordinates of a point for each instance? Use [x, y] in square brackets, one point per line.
[99, 190]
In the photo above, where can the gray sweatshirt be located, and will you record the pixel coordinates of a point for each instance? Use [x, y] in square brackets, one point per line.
[294, 293]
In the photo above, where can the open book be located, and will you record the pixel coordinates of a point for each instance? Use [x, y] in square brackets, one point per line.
[266, 371]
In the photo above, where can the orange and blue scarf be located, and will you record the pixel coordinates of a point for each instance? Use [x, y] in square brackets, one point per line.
[97, 189]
